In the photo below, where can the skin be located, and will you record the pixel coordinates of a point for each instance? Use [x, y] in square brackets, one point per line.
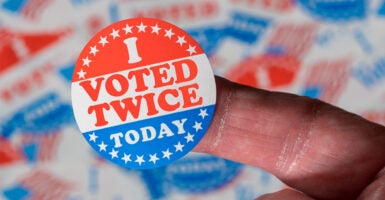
[321, 151]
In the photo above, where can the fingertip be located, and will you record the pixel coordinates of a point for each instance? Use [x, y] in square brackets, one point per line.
[214, 133]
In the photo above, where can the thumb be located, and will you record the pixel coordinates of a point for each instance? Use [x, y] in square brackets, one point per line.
[287, 194]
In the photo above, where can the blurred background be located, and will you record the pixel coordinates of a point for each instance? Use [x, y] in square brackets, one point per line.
[333, 50]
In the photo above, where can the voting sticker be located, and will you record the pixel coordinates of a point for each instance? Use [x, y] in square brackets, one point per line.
[143, 93]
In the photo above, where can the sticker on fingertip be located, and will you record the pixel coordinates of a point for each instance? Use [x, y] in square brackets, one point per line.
[143, 93]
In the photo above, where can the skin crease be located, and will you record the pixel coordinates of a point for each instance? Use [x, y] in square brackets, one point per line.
[313, 147]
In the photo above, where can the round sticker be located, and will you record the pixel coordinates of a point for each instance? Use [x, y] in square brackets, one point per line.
[143, 93]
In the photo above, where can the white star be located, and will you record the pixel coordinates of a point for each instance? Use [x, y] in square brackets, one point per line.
[126, 158]
[94, 50]
[139, 160]
[127, 29]
[103, 40]
[191, 49]
[181, 40]
[189, 138]
[155, 29]
[169, 33]
[179, 147]
[114, 34]
[92, 137]
[113, 153]
[81, 74]
[203, 113]
[102, 146]
[141, 27]
[166, 154]
[197, 126]
[86, 61]
[153, 158]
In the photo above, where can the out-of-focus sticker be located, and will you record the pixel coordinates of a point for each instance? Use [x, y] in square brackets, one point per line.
[196, 173]
[335, 10]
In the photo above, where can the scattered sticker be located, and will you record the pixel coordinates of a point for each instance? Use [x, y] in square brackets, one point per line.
[336, 10]
[143, 93]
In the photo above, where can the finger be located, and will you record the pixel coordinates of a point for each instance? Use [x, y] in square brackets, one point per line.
[310, 145]
[286, 194]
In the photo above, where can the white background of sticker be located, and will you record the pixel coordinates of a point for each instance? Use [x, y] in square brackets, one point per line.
[81, 100]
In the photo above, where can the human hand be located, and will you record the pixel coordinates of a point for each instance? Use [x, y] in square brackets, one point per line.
[321, 151]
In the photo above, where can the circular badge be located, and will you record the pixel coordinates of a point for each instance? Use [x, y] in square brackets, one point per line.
[143, 93]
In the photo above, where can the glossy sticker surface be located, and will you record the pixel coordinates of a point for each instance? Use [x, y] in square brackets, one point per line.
[143, 93]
